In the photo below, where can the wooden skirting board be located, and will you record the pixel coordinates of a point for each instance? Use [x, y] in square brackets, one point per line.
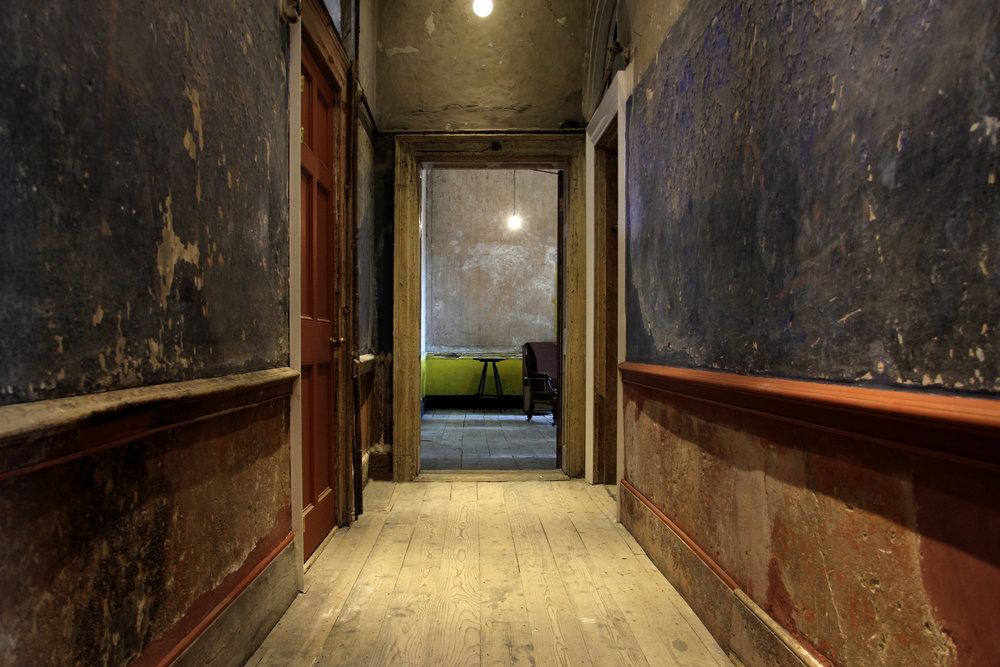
[239, 623]
[733, 616]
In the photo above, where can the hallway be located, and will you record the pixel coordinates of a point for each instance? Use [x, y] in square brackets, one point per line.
[470, 573]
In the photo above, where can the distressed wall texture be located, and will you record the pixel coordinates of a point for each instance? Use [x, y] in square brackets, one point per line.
[814, 192]
[489, 288]
[144, 187]
[143, 245]
[872, 555]
[121, 553]
[440, 67]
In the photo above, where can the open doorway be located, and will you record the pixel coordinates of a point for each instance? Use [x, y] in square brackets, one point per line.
[563, 152]
[489, 251]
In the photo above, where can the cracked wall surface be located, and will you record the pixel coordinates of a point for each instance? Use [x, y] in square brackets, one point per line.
[440, 67]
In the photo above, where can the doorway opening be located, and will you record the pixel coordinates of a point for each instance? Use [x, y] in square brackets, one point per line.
[562, 152]
[489, 314]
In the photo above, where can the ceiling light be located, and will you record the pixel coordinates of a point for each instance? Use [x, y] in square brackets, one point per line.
[514, 222]
[482, 8]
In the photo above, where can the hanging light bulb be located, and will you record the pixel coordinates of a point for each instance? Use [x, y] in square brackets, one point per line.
[482, 8]
[515, 220]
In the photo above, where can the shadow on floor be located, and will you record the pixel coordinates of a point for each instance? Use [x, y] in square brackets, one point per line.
[486, 440]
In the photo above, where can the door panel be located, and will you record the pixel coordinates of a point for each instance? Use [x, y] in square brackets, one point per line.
[325, 384]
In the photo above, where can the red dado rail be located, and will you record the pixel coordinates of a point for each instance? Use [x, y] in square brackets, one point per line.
[957, 428]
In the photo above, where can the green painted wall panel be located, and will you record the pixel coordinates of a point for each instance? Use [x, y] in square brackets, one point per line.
[460, 376]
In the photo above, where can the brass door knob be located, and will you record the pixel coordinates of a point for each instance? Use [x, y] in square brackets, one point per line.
[337, 341]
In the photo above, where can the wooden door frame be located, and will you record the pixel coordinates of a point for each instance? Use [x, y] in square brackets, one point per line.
[612, 109]
[414, 152]
[314, 28]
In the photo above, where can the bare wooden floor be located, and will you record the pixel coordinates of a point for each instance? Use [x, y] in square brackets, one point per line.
[486, 440]
[487, 573]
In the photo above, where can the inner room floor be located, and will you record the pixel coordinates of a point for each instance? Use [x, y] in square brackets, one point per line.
[487, 573]
[486, 440]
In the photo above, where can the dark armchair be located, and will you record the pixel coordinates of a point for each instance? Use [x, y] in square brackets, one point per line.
[540, 368]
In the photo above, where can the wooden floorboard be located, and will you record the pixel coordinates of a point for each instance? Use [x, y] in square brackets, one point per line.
[470, 572]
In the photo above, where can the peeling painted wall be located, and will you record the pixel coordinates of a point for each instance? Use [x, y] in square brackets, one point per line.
[144, 187]
[143, 242]
[489, 288]
[440, 67]
[872, 555]
[814, 192]
[127, 556]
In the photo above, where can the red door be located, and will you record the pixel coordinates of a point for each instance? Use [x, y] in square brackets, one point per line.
[325, 360]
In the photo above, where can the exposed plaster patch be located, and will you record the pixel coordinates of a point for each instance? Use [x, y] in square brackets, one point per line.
[190, 145]
[155, 354]
[195, 98]
[429, 24]
[990, 126]
[170, 251]
[396, 50]
[98, 315]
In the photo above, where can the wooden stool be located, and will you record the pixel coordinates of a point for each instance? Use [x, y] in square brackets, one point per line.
[480, 391]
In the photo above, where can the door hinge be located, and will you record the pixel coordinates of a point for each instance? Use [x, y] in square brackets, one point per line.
[302, 83]
[302, 134]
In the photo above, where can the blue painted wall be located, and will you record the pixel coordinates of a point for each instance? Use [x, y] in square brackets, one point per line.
[814, 192]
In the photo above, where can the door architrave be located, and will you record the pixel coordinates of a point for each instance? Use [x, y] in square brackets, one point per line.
[414, 152]
[316, 31]
[612, 109]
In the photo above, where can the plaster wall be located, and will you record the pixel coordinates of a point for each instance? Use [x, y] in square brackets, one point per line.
[813, 193]
[489, 289]
[440, 67]
[143, 249]
[870, 555]
[367, 51]
[146, 185]
[806, 201]
[650, 21]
